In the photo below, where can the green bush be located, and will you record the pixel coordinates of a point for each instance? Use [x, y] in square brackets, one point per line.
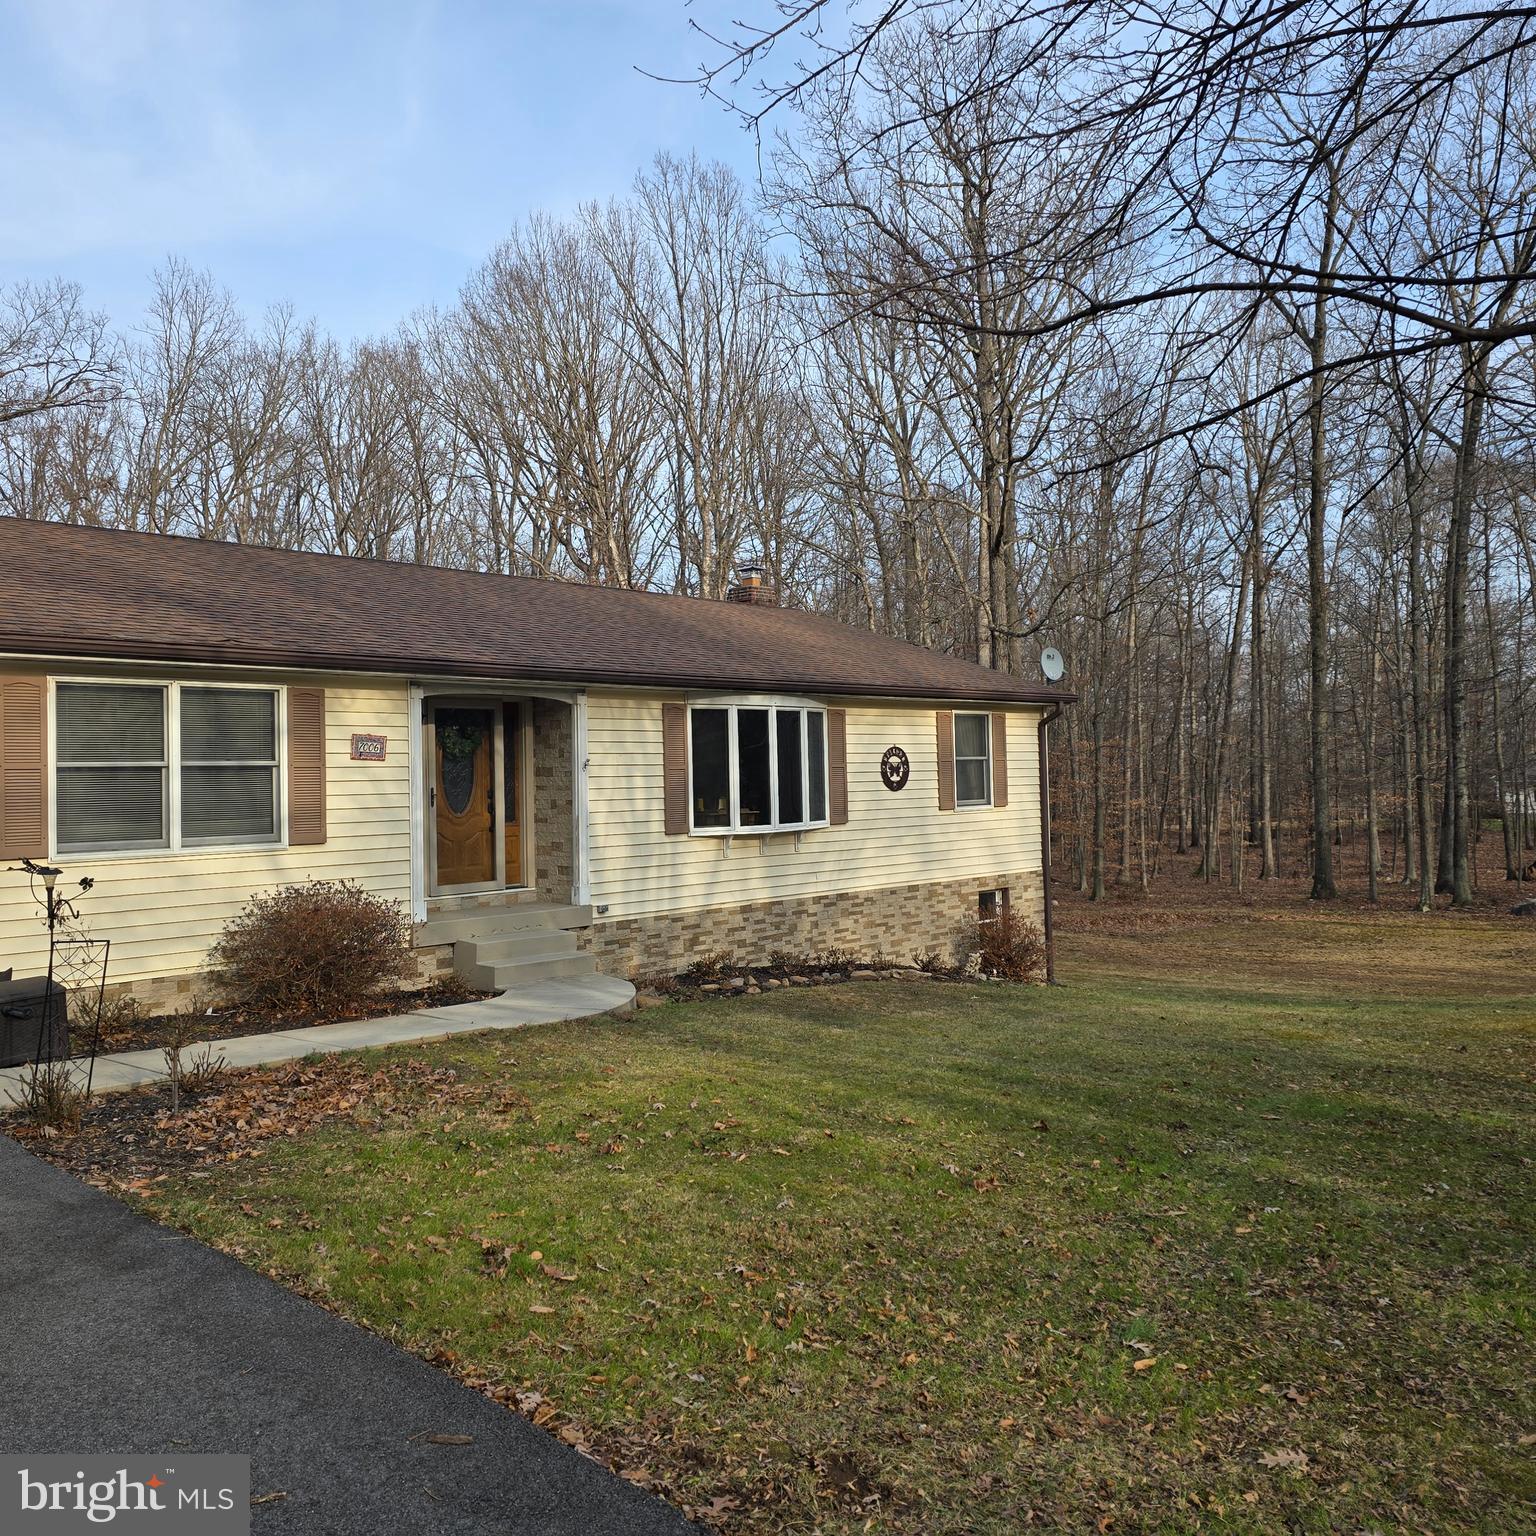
[325, 946]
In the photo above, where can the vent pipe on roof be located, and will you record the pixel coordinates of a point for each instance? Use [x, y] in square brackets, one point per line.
[750, 587]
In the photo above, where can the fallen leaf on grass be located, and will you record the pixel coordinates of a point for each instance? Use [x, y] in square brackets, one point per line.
[1293, 1461]
[1144, 1365]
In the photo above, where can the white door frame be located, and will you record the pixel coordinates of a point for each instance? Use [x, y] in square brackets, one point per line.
[422, 750]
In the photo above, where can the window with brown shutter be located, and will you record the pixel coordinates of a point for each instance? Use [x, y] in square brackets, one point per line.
[306, 766]
[23, 768]
[674, 768]
[999, 759]
[944, 724]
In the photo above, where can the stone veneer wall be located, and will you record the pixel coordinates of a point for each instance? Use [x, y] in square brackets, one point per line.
[898, 921]
[176, 994]
[553, 853]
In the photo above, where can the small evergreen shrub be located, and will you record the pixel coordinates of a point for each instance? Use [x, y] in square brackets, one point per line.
[322, 947]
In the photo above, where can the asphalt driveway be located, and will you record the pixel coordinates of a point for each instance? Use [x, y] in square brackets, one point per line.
[124, 1336]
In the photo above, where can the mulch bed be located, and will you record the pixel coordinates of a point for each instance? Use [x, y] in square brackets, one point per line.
[723, 981]
[131, 1139]
[157, 1030]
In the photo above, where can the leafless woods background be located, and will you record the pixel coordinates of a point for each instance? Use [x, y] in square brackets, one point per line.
[1198, 341]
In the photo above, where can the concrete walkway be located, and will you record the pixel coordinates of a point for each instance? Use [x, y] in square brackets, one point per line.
[544, 1002]
[124, 1337]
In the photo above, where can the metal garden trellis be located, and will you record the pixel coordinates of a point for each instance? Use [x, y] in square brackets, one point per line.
[77, 964]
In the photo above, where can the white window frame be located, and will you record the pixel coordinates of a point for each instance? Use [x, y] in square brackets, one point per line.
[732, 704]
[174, 845]
[980, 714]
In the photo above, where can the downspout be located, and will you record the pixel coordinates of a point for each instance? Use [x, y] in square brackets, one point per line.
[1052, 714]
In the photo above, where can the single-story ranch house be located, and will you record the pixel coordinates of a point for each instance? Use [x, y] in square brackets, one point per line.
[550, 777]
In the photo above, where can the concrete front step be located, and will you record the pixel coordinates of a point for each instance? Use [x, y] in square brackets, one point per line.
[511, 975]
[499, 922]
[528, 944]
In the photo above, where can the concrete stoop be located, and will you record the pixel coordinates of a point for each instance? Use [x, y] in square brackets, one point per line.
[499, 949]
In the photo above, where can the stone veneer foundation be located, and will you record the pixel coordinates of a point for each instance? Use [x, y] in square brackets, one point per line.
[176, 994]
[898, 920]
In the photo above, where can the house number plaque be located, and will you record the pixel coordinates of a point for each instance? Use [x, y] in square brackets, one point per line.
[369, 749]
[895, 770]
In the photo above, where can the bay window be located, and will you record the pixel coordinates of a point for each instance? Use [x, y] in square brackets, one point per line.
[757, 767]
[142, 766]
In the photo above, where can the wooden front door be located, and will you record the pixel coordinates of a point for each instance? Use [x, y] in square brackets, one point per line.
[464, 796]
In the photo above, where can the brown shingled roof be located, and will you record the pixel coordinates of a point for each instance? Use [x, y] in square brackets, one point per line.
[93, 592]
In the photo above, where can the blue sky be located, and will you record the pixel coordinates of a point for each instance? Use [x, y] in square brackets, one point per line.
[355, 159]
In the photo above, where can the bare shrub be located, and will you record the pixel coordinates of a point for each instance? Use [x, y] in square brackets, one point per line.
[712, 967]
[322, 947]
[836, 959]
[204, 1069]
[121, 1019]
[49, 1098]
[1005, 946]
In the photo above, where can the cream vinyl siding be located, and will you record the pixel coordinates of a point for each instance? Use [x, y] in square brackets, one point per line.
[890, 839]
[162, 911]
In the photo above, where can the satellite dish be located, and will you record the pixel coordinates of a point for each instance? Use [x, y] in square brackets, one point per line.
[1052, 665]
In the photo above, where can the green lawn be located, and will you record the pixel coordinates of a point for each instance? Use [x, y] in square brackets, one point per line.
[1189, 1253]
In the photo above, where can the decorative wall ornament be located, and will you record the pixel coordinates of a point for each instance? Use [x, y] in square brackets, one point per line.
[895, 769]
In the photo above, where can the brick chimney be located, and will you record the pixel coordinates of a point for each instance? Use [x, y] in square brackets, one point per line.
[750, 588]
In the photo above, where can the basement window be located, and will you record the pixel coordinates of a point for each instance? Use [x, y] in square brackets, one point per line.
[757, 767]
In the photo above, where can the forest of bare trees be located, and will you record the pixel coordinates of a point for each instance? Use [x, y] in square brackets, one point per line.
[1200, 344]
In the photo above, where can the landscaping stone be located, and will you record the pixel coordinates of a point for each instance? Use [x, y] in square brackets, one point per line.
[1523, 909]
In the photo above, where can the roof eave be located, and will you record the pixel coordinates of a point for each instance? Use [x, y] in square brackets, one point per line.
[235, 655]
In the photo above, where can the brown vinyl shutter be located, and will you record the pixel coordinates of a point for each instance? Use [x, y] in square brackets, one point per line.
[23, 768]
[306, 766]
[944, 722]
[999, 759]
[674, 768]
[837, 767]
